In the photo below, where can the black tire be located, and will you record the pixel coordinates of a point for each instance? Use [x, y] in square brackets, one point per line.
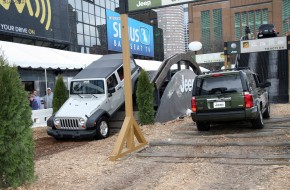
[258, 122]
[103, 129]
[266, 113]
[202, 126]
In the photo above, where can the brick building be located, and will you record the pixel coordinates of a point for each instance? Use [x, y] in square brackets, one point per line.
[214, 21]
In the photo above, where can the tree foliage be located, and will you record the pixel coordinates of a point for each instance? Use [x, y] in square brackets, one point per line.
[60, 94]
[145, 99]
[16, 137]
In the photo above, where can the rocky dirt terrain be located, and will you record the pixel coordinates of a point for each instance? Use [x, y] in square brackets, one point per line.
[231, 156]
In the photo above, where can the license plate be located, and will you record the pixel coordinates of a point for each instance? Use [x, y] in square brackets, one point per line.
[219, 105]
[261, 35]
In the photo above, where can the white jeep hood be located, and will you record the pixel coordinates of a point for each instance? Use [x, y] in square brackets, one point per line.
[83, 106]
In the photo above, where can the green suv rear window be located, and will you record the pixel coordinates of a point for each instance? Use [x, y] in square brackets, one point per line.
[219, 85]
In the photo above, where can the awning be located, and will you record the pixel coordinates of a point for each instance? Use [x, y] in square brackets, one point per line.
[26, 56]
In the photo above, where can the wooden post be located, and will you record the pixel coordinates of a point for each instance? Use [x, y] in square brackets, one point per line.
[125, 143]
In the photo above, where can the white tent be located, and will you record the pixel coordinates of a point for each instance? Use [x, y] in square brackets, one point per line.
[24, 56]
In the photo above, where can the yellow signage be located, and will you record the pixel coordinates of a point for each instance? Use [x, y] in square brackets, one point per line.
[42, 6]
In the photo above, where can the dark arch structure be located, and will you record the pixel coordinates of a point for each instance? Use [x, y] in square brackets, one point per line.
[164, 74]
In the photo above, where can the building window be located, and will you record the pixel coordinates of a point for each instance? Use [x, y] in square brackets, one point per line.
[258, 19]
[285, 16]
[265, 16]
[238, 26]
[205, 31]
[89, 23]
[218, 30]
[253, 19]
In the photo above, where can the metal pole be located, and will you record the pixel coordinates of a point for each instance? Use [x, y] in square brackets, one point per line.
[45, 85]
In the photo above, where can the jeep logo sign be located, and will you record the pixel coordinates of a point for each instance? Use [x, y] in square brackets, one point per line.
[143, 4]
[134, 5]
[186, 84]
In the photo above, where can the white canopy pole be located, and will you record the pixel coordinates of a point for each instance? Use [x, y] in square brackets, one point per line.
[45, 85]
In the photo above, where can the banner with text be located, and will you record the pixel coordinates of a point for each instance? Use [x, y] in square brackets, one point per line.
[140, 35]
[48, 19]
[266, 44]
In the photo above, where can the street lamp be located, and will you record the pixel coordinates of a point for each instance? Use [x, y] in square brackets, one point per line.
[195, 46]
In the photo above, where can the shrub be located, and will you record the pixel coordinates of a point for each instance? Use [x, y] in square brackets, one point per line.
[145, 99]
[16, 137]
[60, 94]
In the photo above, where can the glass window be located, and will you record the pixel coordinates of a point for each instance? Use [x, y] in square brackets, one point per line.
[133, 65]
[91, 9]
[80, 39]
[92, 19]
[72, 2]
[112, 81]
[103, 21]
[86, 18]
[80, 16]
[205, 30]
[251, 21]
[237, 26]
[258, 19]
[103, 13]
[218, 23]
[86, 29]
[285, 16]
[98, 21]
[265, 16]
[78, 5]
[107, 4]
[80, 28]
[85, 6]
[113, 6]
[87, 87]
[92, 31]
[219, 85]
[87, 41]
[98, 11]
[102, 3]
[93, 41]
[121, 73]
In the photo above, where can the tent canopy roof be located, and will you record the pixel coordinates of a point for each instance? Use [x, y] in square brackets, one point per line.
[26, 56]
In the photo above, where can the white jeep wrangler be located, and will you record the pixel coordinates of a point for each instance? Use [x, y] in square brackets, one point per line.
[96, 93]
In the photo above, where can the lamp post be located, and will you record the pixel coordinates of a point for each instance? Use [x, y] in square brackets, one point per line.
[195, 46]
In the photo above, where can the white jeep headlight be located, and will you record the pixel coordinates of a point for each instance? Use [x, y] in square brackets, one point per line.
[56, 121]
[82, 121]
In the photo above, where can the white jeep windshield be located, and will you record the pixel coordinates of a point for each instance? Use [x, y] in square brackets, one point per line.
[87, 87]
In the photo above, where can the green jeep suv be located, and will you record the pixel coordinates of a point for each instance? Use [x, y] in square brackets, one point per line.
[229, 95]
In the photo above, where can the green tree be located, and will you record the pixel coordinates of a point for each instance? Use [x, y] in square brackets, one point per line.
[16, 137]
[145, 99]
[60, 94]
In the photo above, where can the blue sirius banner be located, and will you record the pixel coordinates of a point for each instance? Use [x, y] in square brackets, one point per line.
[140, 35]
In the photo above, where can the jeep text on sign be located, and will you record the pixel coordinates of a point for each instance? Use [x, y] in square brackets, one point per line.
[134, 5]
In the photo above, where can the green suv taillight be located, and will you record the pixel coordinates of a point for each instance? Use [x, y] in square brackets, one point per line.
[193, 104]
[248, 98]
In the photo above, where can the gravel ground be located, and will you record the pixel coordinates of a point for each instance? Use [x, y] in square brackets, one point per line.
[86, 165]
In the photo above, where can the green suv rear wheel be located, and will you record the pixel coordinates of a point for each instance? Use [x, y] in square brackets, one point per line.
[258, 122]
